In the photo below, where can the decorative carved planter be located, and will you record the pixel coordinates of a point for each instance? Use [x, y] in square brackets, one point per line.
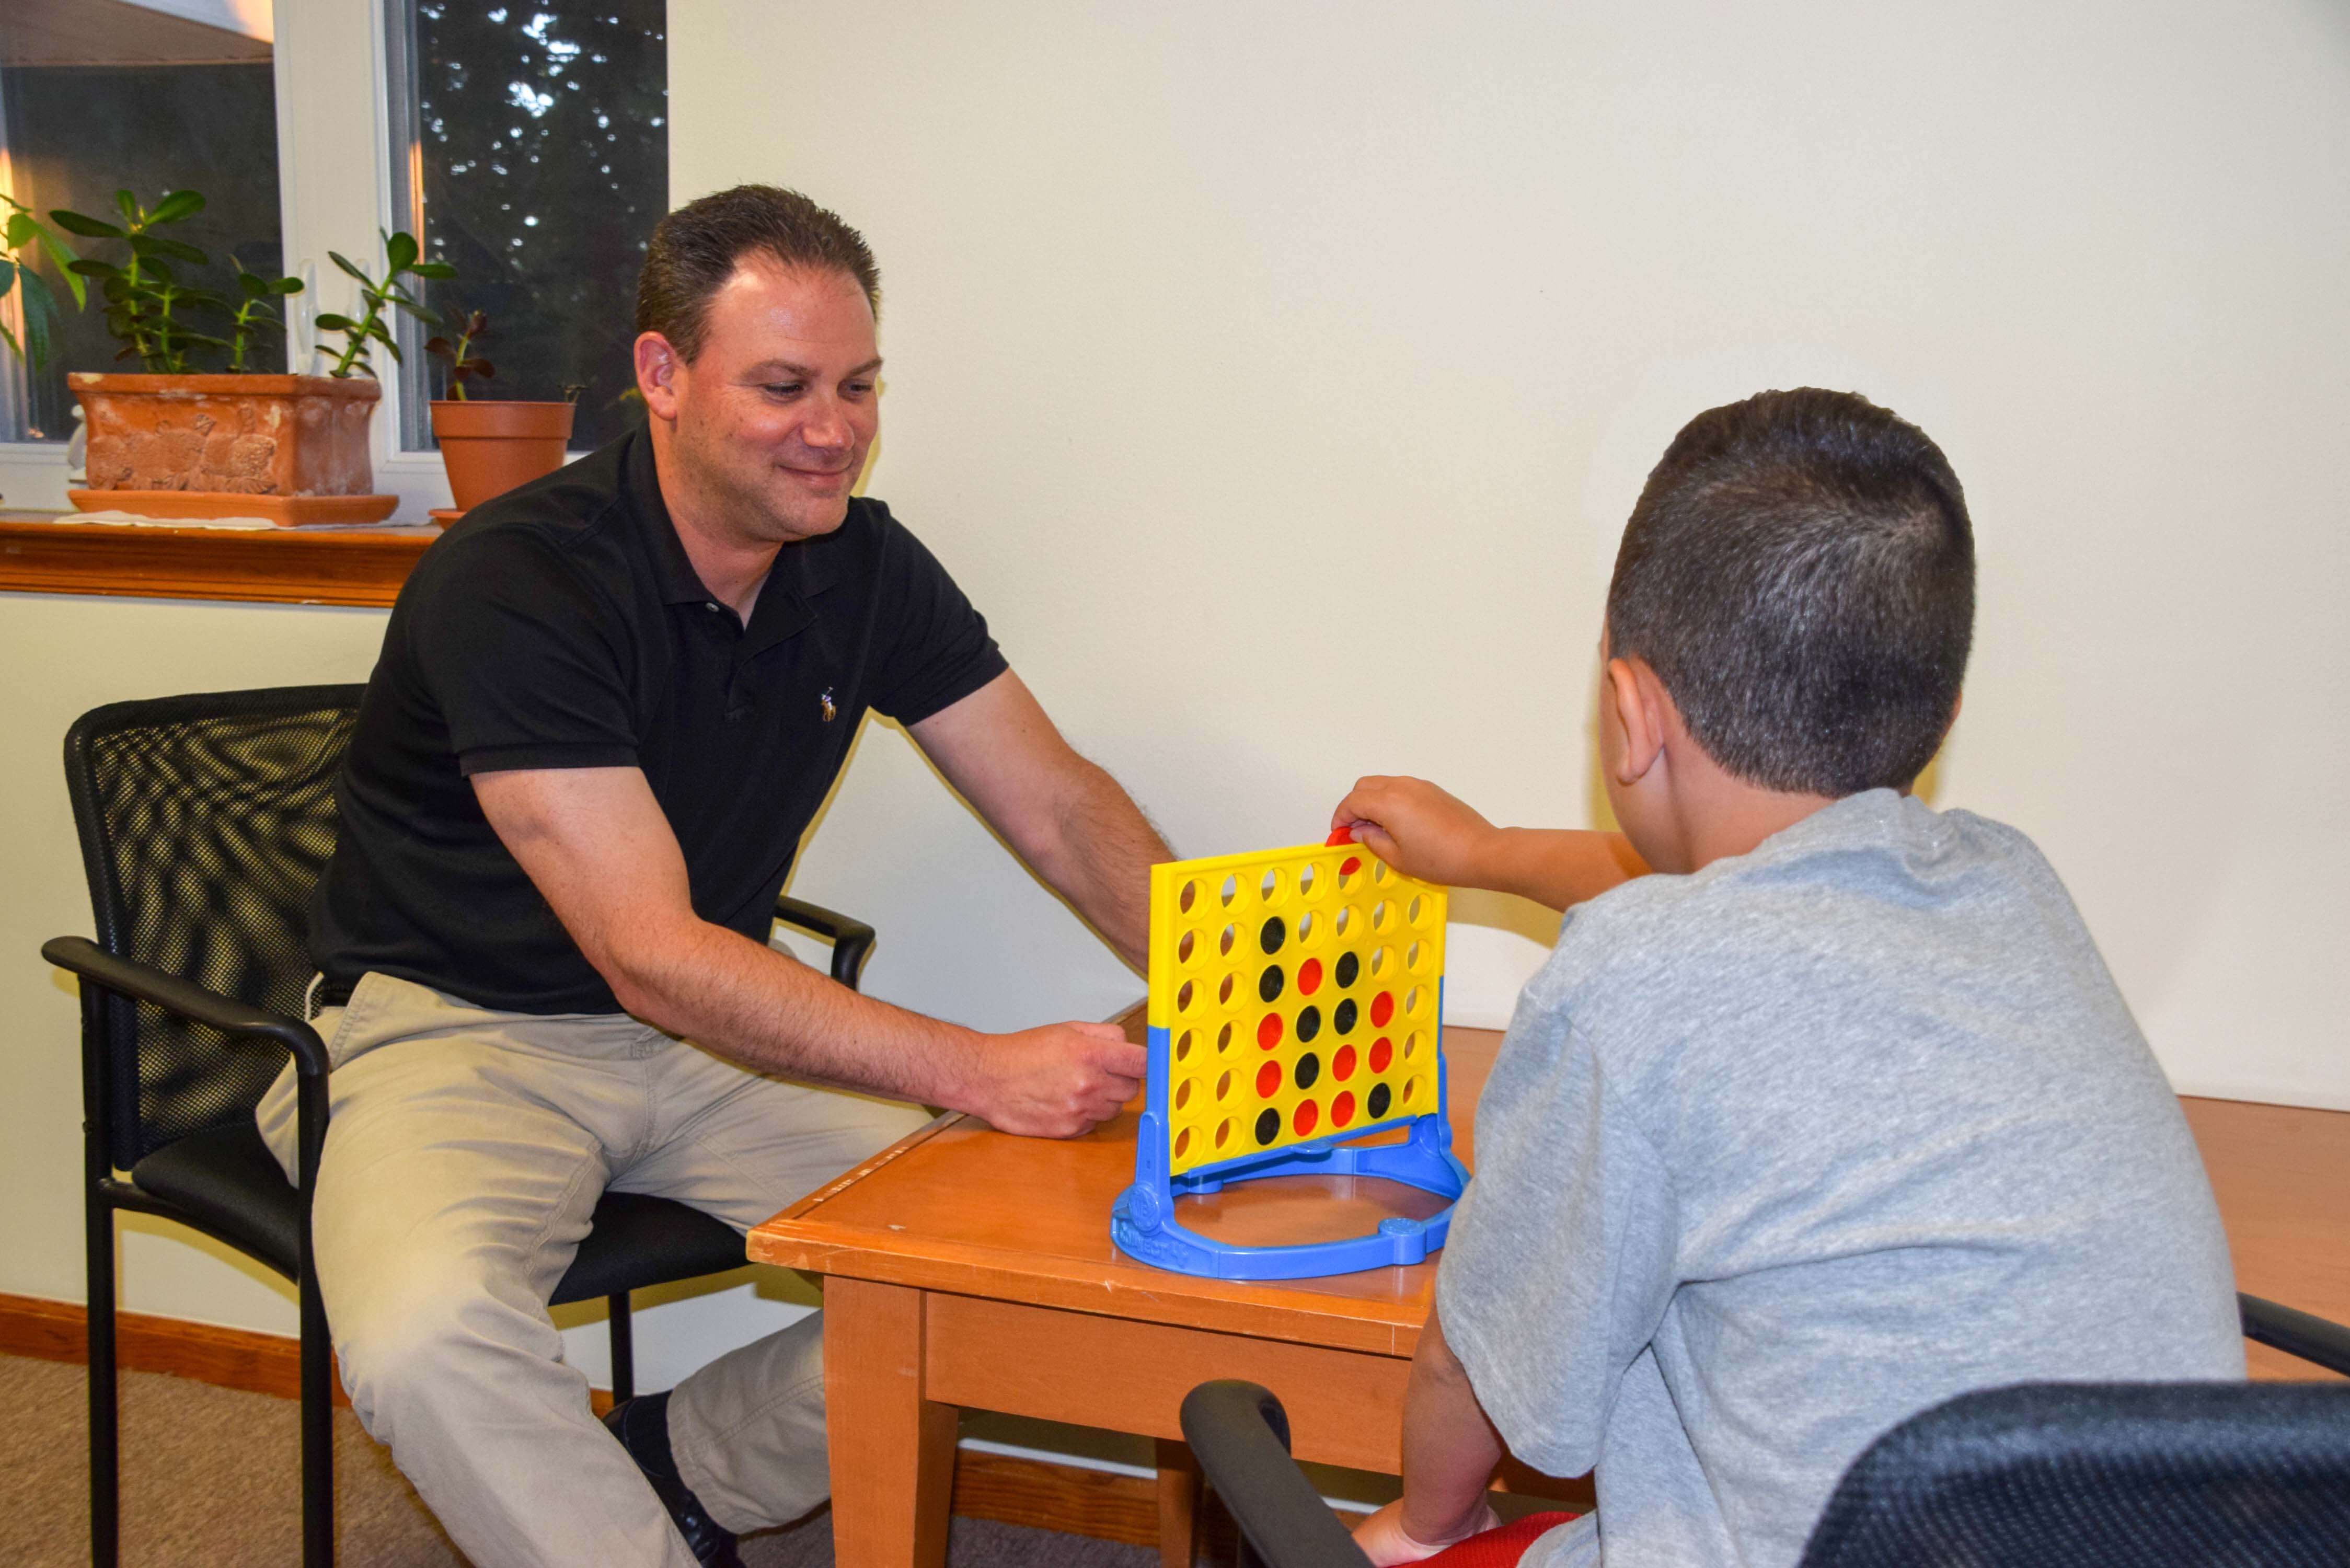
[492, 446]
[293, 449]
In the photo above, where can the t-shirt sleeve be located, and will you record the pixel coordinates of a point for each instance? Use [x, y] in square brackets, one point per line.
[932, 649]
[523, 660]
[1561, 1257]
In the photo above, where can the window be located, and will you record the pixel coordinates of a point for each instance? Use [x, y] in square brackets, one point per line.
[104, 97]
[530, 151]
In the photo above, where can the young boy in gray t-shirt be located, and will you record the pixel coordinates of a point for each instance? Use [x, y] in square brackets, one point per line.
[1837, 1113]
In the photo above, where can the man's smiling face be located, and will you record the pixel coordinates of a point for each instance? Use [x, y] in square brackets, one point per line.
[774, 417]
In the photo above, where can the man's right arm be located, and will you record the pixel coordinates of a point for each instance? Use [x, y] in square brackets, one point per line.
[596, 846]
[1423, 831]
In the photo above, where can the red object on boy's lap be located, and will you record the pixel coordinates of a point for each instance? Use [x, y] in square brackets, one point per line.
[1497, 1548]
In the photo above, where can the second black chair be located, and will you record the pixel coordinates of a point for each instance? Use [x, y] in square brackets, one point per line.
[2037, 1475]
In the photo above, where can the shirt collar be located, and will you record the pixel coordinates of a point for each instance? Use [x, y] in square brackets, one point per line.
[800, 572]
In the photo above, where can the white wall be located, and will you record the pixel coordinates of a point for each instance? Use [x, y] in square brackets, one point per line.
[1277, 377]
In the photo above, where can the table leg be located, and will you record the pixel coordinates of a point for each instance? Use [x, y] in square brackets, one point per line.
[892, 1449]
[1178, 1502]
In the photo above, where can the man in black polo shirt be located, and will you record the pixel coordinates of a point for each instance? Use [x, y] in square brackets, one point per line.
[608, 705]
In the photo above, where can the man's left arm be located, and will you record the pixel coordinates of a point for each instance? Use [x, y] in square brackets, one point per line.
[1069, 820]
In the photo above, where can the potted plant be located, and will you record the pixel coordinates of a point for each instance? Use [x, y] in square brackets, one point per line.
[178, 439]
[490, 447]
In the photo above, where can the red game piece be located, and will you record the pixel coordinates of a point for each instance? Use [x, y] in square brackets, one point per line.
[1340, 835]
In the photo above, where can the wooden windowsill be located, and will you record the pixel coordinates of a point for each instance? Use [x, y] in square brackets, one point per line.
[46, 554]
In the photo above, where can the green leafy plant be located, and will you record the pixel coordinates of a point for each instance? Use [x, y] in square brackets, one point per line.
[470, 328]
[20, 237]
[148, 303]
[400, 256]
[253, 311]
[144, 297]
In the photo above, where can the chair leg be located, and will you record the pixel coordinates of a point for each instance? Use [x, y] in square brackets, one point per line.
[318, 1430]
[105, 1517]
[624, 1349]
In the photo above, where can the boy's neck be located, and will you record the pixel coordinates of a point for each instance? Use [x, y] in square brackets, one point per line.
[1714, 815]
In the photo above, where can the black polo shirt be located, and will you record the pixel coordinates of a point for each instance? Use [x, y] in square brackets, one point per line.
[562, 626]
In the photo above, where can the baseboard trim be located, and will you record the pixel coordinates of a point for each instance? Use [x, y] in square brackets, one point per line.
[224, 1357]
[1002, 1487]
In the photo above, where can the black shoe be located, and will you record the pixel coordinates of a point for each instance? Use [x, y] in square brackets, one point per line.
[712, 1544]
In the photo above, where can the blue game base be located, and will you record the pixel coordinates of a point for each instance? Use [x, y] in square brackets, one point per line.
[1143, 1223]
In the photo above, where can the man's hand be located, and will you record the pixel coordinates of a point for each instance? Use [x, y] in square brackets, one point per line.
[1383, 1539]
[1421, 830]
[1059, 1081]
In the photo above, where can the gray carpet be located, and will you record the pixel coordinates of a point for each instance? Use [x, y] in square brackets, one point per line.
[210, 1477]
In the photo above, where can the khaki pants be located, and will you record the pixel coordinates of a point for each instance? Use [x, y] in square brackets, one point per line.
[465, 1151]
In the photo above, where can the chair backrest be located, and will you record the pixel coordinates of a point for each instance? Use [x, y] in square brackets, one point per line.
[2146, 1475]
[204, 822]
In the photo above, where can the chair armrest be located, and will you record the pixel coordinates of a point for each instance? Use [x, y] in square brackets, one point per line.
[1241, 1436]
[185, 998]
[2297, 1332]
[852, 940]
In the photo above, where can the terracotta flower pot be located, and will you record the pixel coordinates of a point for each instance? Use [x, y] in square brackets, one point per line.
[491, 447]
[293, 449]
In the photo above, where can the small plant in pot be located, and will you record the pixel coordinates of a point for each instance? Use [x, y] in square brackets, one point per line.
[198, 432]
[490, 445]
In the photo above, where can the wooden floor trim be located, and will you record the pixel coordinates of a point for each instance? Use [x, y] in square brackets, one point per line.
[1004, 1488]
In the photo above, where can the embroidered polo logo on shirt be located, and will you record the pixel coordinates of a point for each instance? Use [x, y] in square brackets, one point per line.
[824, 700]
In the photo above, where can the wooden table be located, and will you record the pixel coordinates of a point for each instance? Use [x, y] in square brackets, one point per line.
[971, 1269]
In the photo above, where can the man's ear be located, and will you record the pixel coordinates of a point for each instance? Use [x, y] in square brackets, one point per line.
[1633, 693]
[657, 368]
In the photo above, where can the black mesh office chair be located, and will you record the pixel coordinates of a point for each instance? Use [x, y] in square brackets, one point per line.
[2113, 1475]
[2039, 1475]
[204, 823]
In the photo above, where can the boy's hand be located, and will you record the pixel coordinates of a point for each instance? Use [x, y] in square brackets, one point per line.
[1382, 1538]
[1419, 830]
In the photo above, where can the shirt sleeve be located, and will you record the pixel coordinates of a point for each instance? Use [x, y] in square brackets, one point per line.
[1561, 1257]
[932, 648]
[524, 660]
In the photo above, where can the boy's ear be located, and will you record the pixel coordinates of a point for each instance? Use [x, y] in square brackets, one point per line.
[1634, 695]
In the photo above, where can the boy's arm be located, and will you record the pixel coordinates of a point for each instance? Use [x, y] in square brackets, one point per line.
[1449, 1450]
[1423, 831]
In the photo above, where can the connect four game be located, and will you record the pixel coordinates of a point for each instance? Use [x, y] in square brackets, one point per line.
[1296, 996]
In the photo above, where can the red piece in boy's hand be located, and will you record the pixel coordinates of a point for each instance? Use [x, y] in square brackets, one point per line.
[1340, 835]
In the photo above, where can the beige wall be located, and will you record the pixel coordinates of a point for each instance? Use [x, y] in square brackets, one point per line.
[1277, 377]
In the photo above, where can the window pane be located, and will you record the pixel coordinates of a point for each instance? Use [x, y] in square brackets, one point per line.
[534, 145]
[74, 132]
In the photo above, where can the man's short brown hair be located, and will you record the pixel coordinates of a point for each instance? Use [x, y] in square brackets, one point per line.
[696, 249]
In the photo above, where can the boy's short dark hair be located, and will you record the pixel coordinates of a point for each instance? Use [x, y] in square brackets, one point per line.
[695, 249]
[1800, 573]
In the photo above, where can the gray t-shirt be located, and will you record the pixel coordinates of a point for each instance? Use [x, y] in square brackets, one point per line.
[1779, 1154]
